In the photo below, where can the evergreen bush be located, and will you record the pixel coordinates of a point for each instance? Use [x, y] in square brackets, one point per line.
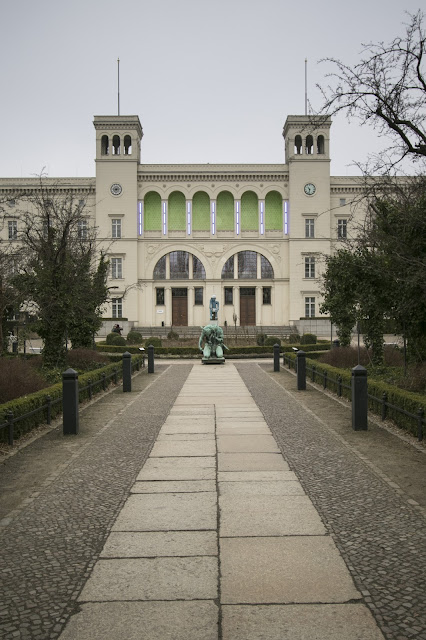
[271, 341]
[156, 342]
[260, 339]
[308, 338]
[134, 337]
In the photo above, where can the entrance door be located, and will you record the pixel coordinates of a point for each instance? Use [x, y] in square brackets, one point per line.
[247, 306]
[179, 307]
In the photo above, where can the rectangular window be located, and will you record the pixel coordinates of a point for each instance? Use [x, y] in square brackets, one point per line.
[116, 267]
[117, 307]
[159, 295]
[309, 228]
[310, 307]
[82, 229]
[342, 228]
[266, 295]
[229, 295]
[342, 202]
[12, 227]
[310, 267]
[198, 295]
[116, 228]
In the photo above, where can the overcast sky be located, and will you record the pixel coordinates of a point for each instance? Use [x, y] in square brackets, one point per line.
[211, 81]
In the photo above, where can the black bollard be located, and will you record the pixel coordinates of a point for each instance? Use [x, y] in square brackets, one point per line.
[150, 359]
[301, 370]
[70, 402]
[127, 371]
[276, 357]
[359, 398]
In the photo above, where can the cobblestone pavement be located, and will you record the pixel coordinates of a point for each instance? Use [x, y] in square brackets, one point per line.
[379, 533]
[53, 540]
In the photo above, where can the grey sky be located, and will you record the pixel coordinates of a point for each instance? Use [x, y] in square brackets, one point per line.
[212, 81]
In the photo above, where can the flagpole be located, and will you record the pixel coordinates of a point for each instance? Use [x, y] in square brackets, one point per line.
[306, 86]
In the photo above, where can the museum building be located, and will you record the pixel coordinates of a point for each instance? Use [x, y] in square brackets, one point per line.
[253, 235]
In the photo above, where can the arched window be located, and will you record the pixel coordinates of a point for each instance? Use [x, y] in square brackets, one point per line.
[228, 269]
[179, 266]
[309, 145]
[105, 146]
[127, 146]
[266, 270]
[152, 211]
[201, 211]
[177, 215]
[225, 211]
[247, 267]
[298, 145]
[116, 145]
[320, 145]
[160, 269]
[198, 270]
[249, 211]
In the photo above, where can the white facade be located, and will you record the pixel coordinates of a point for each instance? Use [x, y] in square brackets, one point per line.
[172, 230]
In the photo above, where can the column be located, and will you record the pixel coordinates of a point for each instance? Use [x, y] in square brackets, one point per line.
[168, 306]
[259, 301]
[190, 302]
[237, 302]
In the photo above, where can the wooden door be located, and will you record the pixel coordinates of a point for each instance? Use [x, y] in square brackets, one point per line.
[247, 306]
[179, 307]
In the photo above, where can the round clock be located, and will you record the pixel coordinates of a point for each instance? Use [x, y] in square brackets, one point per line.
[309, 189]
[116, 189]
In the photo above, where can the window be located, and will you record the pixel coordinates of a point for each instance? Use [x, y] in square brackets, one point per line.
[159, 291]
[105, 145]
[198, 271]
[82, 228]
[309, 267]
[198, 295]
[116, 267]
[12, 227]
[266, 270]
[116, 228]
[127, 146]
[229, 295]
[160, 269]
[298, 145]
[342, 202]
[320, 145]
[228, 269]
[342, 228]
[309, 228]
[309, 145]
[117, 307]
[179, 265]
[310, 307]
[247, 265]
[266, 295]
[116, 145]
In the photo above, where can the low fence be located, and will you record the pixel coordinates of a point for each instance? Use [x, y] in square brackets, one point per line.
[24, 414]
[380, 404]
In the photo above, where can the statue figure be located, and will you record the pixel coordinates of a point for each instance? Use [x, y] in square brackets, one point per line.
[212, 336]
[214, 308]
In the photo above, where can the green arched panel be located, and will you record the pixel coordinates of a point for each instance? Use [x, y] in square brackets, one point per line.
[152, 211]
[249, 211]
[177, 216]
[225, 211]
[273, 211]
[201, 211]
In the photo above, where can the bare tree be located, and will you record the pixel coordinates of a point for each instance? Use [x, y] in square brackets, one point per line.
[386, 89]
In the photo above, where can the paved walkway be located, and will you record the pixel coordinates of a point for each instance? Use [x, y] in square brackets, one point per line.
[247, 518]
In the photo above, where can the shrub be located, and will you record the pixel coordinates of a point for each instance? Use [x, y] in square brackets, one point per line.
[308, 338]
[18, 378]
[116, 339]
[294, 338]
[260, 339]
[85, 359]
[156, 342]
[172, 335]
[134, 337]
[271, 341]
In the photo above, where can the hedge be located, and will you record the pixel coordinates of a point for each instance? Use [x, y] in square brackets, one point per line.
[191, 351]
[405, 400]
[35, 401]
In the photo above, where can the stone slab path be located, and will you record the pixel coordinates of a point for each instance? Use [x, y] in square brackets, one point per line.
[217, 539]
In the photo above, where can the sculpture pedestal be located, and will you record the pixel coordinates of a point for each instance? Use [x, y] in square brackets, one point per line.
[213, 360]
